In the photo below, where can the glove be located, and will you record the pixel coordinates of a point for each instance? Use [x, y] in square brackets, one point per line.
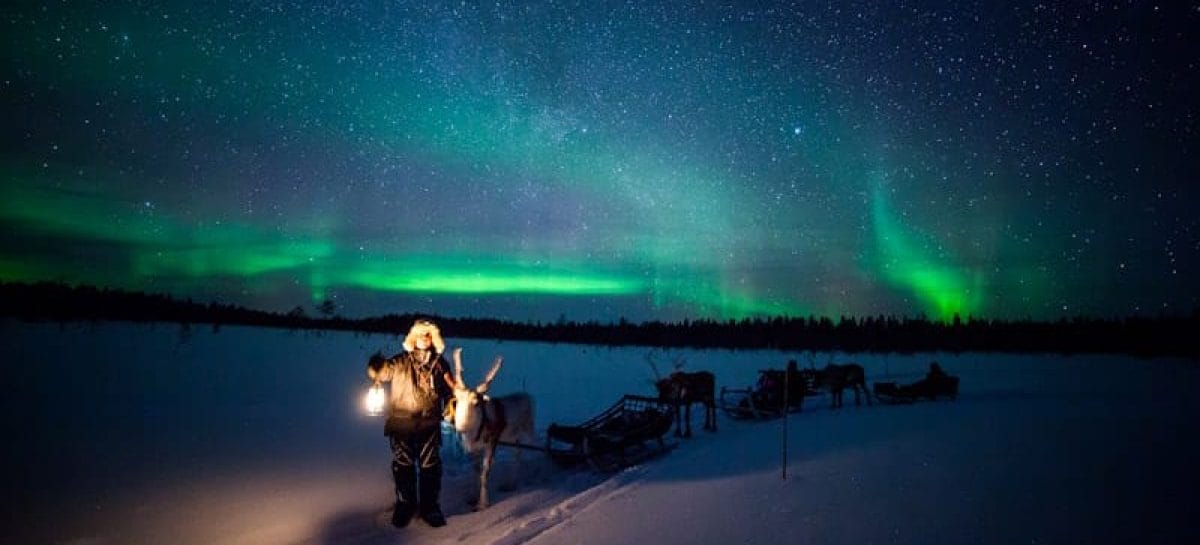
[375, 364]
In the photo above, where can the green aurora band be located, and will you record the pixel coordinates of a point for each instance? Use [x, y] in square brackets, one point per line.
[161, 248]
[905, 261]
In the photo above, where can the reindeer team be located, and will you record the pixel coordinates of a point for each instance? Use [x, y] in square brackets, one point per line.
[484, 422]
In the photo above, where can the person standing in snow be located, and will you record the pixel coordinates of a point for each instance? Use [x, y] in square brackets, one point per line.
[421, 384]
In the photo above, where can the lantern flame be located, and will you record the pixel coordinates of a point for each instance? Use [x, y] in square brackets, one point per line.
[374, 400]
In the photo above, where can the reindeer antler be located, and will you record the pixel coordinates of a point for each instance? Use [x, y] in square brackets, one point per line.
[487, 381]
[458, 381]
[650, 360]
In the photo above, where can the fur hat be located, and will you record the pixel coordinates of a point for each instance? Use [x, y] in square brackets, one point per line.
[420, 329]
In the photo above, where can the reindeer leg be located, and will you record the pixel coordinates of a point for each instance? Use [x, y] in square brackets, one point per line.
[680, 425]
[516, 470]
[514, 474]
[489, 452]
[687, 419]
[471, 497]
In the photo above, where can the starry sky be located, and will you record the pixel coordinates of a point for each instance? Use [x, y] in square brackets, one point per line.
[598, 160]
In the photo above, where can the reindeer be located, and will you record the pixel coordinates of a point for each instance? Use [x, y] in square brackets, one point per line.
[682, 390]
[836, 378]
[483, 421]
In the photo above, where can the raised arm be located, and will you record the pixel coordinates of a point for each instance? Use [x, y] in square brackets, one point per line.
[379, 369]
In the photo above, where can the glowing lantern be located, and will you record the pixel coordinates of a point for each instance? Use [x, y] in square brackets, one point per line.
[374, 400]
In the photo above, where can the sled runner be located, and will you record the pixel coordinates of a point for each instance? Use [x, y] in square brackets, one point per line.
[626, 433]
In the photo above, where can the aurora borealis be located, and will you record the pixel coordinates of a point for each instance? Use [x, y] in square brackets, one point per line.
[594, 160]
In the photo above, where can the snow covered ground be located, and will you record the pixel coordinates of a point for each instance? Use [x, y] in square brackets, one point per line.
[122, 433]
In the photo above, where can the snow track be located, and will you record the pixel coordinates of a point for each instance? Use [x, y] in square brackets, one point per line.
[565, 510]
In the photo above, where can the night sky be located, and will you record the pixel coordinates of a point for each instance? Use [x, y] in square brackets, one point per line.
[598, 160]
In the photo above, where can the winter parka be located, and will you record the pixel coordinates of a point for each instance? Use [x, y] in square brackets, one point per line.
[419, 388]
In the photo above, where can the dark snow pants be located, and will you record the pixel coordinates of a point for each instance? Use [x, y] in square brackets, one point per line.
[416, 443]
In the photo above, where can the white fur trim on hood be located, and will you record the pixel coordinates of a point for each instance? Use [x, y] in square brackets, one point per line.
[422, 327]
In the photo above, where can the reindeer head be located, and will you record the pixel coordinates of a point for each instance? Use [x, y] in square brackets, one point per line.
[667, 388]
[671, 388]
[467, 401]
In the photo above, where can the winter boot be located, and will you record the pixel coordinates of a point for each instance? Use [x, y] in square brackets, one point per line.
[406, 494]
[402, 514]
[431, 488]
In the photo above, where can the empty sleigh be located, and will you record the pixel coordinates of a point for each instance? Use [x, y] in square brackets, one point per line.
[629, 431]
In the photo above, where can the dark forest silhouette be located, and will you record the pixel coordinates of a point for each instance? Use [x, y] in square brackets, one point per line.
[1143, 336]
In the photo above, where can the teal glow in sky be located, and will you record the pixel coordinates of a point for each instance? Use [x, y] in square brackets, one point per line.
[647, 161]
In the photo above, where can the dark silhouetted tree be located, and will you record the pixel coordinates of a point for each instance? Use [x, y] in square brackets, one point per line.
[327, 308]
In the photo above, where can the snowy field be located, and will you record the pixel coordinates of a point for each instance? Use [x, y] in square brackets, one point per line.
[131, 434]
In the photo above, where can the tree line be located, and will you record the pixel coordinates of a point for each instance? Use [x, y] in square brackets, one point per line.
[1142, 336]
